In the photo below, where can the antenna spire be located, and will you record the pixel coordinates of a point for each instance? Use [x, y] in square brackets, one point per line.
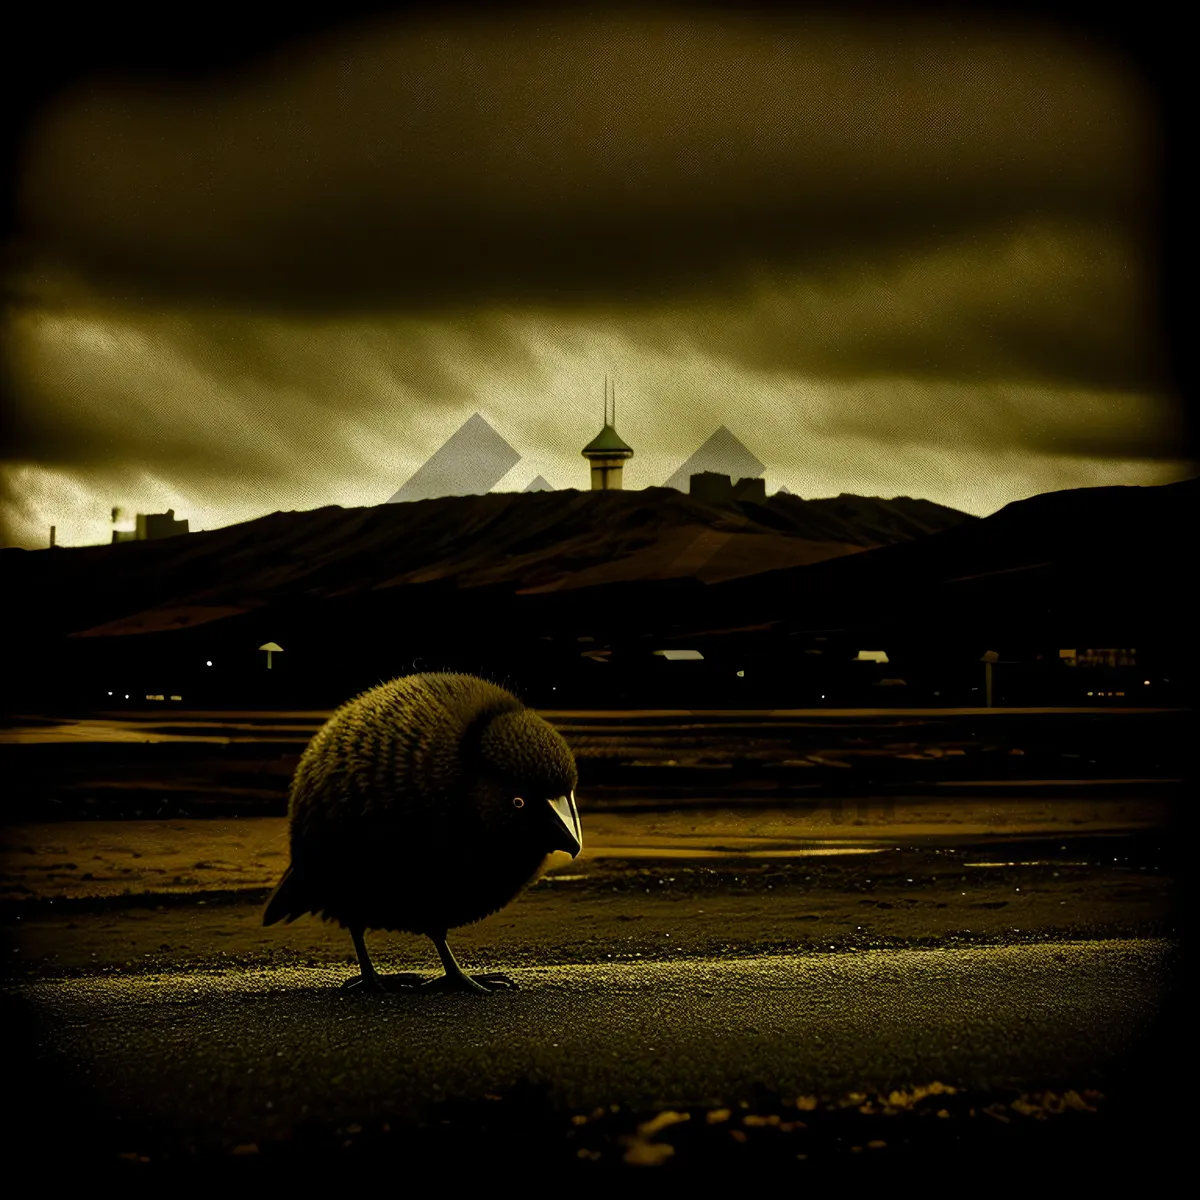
[614, 420]
[605, 399]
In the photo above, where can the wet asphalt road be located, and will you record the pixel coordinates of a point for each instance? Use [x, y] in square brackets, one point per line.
[217, 1060]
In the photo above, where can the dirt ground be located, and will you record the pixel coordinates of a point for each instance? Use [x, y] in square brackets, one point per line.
[120, 896]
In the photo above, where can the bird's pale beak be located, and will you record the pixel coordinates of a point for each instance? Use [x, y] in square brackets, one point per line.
[567, 834]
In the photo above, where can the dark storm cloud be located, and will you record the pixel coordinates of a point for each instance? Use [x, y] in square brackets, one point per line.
[1035, 302]
[224, 391]
[552, 158]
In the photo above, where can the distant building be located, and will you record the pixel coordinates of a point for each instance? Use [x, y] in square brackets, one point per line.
[750, 491]
[713, 488]
[540, 484]
[151, 526]
[606, 452]
[875, 656]
[1108, 673]
[469, 463]
[721, 454]
[1099, 658]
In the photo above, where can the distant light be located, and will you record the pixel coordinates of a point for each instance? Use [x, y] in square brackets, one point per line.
[209, 663]
[1145, 683]
[680, 655]
[1089, 693]
[879, 656]
[741, 674]
[127, 696]
[176, 697]
[110, 693]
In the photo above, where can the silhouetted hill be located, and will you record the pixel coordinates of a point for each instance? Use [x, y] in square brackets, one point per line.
[1112, 561]
[571, 597]
[526, 543]
[864, 520]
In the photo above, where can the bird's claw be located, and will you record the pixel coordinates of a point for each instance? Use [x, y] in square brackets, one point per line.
[493, 981]
[379, 984]
[497, 981]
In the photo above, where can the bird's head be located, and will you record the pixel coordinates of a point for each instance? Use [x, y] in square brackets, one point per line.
[536, 773]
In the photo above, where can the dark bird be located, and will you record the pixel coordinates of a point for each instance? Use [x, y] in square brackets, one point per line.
[424, 804]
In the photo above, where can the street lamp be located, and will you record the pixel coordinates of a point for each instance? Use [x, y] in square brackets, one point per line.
[989, 657]
[272, 648]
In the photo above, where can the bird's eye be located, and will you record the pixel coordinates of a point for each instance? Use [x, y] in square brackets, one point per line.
[518, 802]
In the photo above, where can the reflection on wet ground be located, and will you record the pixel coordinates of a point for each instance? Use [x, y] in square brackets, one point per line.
[221, 764]
[189, 856]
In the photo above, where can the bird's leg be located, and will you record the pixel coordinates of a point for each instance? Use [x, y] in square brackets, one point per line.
[370, 980]
[457, 980]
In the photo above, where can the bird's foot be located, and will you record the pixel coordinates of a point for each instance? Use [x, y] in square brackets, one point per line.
[493, 981]
[406, 981]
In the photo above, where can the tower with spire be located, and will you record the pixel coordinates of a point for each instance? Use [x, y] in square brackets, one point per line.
[606, 452]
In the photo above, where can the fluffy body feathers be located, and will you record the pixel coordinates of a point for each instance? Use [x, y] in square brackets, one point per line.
[404, 812]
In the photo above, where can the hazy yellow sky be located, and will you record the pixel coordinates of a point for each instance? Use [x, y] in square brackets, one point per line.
[893, 258]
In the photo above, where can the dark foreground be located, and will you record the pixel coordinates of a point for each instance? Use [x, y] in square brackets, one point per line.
[803, 1062]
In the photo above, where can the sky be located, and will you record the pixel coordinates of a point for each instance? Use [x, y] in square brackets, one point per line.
[894, 255]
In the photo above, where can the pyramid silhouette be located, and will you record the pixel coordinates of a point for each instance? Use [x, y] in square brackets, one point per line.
[538, 485]
[783, 491]
[722, 453]
[470, 462]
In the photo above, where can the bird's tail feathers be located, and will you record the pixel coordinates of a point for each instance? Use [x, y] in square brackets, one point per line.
[285, 903]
